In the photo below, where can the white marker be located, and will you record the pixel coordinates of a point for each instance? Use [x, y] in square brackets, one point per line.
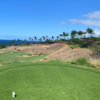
[13, 94]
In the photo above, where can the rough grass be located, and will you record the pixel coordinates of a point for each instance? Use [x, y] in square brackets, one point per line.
[51, 80]
[95, 62]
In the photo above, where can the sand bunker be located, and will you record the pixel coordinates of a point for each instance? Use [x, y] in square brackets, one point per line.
[11, 52]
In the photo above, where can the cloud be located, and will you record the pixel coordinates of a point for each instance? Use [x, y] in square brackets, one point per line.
[94, 19]
[86, 22]
[63, 23]
[94, 15]
[97, 32]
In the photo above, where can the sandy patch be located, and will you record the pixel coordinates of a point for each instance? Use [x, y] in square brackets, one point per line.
[33, 55]
[1, 52]
[11, 52]
[0, 65]
[25, 56]
[43, 60]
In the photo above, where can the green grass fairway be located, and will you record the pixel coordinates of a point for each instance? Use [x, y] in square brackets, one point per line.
[46, 80]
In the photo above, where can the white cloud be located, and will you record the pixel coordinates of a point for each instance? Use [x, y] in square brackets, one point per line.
[86, 22]
[63, 23]
[97, 32]
[94, 15]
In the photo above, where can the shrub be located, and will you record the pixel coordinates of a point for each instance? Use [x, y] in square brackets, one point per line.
[81, 61]
[3, 45]
[96, 50]
[96, 47]
[75, 46]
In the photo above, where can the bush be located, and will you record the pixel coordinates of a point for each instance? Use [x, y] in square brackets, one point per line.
[3, 45]
[81, 61]
[96, 47]
[75, 46]
[63, 40]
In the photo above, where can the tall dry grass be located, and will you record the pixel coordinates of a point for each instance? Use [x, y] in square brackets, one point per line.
[95, 62]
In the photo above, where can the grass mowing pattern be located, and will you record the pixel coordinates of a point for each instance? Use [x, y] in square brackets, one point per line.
[49, 81]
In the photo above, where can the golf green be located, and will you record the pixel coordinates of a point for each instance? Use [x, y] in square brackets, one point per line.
[49, 81]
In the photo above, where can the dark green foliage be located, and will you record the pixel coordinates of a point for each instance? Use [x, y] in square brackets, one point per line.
[96, 47]
[81, 61]
[9, 43]
[3, 45]
[64, 40]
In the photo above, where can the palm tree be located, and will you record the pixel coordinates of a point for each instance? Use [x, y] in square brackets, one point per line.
[80, 33]
[61, 35]
[29, 38]
[57, 37]
[73, 33]
[67, 36]
[64, 34]
[43, 37]
[52, 38]
[18, 39]
[24, 39]
[84, 34]
[40, 39]
[35, 37]
[90, 31]
[32, 39]
[46, 37]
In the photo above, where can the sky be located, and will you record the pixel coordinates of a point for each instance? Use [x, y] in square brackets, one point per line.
[21, 19]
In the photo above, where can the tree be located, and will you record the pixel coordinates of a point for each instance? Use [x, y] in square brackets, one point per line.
[40, 39]
[24, 39]
[67, 36]
[73, 33]
[46, 37]
[52, 38]
[19, 40]
[80, 33]
[43, 37]
[29, 38]
[57, 37]
[64, 34]
[90, 31]
[61, 35]
[9, 43]
[35, 37]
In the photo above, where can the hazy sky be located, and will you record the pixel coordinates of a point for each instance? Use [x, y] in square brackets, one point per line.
[21, 19]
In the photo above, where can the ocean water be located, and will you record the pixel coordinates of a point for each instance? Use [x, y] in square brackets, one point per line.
[17, 42]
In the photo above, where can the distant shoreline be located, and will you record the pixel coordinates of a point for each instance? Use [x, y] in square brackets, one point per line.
[17, 42]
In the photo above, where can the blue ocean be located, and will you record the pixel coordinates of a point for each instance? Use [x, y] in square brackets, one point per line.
[17, 42]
